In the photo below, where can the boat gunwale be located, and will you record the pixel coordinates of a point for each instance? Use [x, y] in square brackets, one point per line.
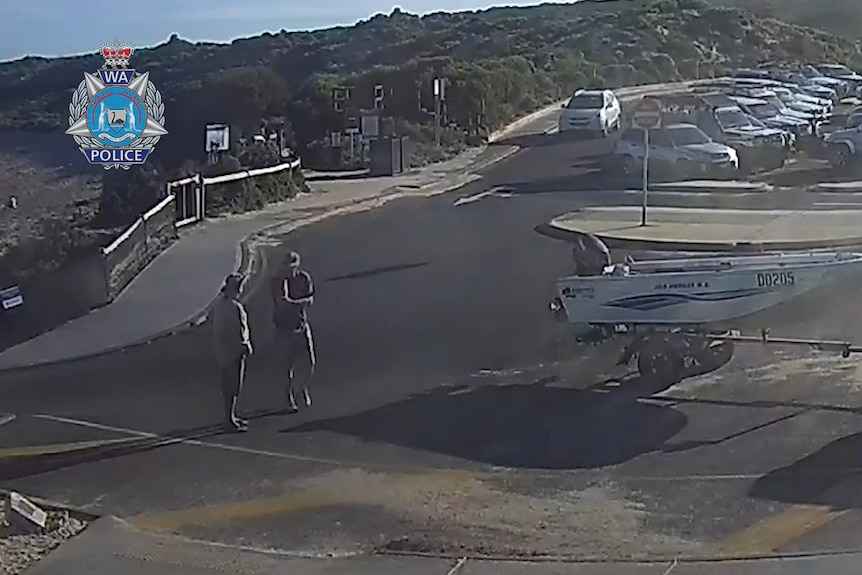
[757, 267]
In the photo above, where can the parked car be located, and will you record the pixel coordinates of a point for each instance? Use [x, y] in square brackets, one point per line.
[843, 147]
[676, 151]
[841, 72]
[815, 76]
[854, 120]
[772, 117]
[758, 148]
[591, 112]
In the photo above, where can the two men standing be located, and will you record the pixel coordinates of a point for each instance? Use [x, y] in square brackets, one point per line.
[292, 292]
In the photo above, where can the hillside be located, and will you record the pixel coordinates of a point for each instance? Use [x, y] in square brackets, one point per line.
[842, 17]
[499, 63]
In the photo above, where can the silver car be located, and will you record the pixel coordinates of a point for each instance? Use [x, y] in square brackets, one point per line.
[675, 151]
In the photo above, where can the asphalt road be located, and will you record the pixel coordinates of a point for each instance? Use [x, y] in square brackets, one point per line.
[451, 415]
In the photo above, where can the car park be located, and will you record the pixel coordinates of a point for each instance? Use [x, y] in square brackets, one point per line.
[799, 104]
[757, 148]
[591, 112]
[823, 102]
[841, 72]
[767, 113]
[676, 151]
[813, 75]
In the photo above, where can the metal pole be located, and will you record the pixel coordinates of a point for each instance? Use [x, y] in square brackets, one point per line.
[437, 120]
[645, 191]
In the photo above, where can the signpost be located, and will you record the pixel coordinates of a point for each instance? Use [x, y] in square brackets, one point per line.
[647, 116]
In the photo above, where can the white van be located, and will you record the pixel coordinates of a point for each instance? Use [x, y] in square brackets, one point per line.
[592, 111]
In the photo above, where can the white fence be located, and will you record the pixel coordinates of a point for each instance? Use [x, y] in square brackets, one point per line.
[184, 204]
[190, 193]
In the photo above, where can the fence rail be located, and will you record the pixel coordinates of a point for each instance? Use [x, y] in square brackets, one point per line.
[184, 204]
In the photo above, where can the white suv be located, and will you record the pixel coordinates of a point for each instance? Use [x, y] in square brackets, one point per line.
[596, 111]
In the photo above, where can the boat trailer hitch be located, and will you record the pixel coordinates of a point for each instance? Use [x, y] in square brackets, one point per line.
[845, 348]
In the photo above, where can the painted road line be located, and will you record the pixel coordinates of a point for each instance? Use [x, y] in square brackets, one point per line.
[6, 418]
[474, 198]
[772, 533]
[166, 441]
[235, 511]
[57, 448]
[495, 191]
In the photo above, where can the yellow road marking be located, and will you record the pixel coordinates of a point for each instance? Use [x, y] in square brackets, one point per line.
[779, 530]
[292, 502]
[55, 448]
[234, 511]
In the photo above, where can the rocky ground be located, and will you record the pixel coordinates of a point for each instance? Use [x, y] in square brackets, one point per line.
[19, 550]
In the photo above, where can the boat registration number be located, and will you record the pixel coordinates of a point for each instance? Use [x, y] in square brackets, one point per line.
[775, 279]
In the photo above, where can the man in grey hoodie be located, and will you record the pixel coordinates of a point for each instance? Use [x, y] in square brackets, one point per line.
[232, 344]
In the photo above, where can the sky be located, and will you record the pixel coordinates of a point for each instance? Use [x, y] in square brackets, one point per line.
[65, 27]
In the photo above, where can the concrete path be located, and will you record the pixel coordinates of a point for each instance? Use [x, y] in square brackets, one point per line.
[711, 186]
[837, 187]
[692, 229]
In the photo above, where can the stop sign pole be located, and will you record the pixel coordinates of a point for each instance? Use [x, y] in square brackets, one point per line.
[647, 116]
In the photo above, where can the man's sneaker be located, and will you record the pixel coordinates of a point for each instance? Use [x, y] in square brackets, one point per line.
[307, 398]
[291, 403]
[238, 426]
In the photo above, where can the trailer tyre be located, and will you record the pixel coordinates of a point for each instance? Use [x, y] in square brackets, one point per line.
[660, 362]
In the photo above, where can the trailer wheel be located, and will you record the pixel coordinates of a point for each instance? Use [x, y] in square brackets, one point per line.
[660, 362]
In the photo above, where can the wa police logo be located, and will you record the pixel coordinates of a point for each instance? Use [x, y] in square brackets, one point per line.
[117, 116]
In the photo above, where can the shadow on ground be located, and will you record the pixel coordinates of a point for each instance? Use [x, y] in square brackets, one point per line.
[26, 466]
[831, 476]
[540, 425]
[555, 139]
[376, 271]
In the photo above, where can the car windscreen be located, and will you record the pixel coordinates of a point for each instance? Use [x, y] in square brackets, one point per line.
[732, 119]
[776, 101]
[840, 70]
[764, 110]
[687, 136]
[587, 102]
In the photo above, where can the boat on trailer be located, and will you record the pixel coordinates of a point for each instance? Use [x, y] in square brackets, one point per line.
[679, 312]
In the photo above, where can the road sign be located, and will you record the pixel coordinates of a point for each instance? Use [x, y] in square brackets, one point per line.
[647, 115]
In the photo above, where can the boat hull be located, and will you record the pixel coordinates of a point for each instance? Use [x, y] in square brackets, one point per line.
[710, 291]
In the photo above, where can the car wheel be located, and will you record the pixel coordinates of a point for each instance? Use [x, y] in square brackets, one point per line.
[629, 167]
[840, 155]
[683, 170]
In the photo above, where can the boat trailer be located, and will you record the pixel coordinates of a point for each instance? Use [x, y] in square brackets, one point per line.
[670, 353]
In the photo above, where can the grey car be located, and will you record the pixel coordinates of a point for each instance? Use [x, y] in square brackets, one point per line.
[676, 151]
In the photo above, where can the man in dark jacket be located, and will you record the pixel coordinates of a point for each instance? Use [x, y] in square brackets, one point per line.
[590, 255]
[293, 292]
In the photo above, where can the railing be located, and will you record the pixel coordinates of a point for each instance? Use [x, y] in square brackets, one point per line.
[191, 200]
[153, 231]
[139, 244]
